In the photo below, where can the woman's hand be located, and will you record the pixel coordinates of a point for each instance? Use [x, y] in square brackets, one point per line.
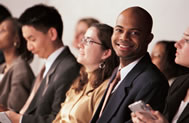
[140, 117]
[13, 116]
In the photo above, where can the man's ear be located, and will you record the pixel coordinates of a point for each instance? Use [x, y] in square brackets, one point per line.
[52, 32]
[150, 37]
[107, 53]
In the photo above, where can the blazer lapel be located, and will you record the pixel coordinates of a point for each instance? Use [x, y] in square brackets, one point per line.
[184, 115]
[176, 94]
[121, 92]
[59, 59]
[47, 79]
[97, 113]
[36, 98]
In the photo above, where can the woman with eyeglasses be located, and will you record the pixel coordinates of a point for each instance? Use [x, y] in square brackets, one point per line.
[98, 60]
[16, 75]
[177, 102]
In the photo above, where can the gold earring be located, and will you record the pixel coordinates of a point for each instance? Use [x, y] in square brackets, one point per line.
[15, 44]
[102, 65]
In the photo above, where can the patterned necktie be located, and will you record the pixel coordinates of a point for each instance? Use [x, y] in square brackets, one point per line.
[37, 83]
[111, 87]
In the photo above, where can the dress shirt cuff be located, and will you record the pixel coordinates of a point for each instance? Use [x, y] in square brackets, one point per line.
[20, 121]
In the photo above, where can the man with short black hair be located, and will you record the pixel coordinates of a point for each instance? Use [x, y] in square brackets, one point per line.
[42, 27]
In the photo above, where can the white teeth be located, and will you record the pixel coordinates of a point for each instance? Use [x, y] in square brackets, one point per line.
[123, 46]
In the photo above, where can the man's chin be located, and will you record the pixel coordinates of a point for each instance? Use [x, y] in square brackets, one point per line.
[40, 56]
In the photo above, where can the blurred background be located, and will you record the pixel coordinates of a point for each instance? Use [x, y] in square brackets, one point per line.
[170, 17]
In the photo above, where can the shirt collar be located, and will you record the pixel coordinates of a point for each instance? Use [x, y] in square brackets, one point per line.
[50, 60]
[125, 70]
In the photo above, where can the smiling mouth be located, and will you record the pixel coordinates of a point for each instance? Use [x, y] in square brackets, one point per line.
[124, 46]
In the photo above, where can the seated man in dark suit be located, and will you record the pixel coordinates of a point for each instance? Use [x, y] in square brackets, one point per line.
[42, 27]
[140, 79]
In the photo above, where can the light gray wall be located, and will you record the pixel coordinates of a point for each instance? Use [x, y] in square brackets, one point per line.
[170, 16]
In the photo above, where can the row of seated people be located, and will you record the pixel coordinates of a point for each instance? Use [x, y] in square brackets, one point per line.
[64, 91]
[176, 105]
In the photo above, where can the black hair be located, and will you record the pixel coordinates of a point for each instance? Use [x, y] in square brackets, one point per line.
[42, 17]
[4, 13]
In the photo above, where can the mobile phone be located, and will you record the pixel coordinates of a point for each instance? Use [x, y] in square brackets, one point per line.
[4, 118]
[140, 106]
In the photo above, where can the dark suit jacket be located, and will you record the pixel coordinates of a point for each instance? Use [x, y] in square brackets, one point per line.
[144, 82]
[176, 94]
[60, 76]
[16, 84]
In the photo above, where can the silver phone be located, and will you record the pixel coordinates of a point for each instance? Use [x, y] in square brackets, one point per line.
[140, 106]
[4, 118]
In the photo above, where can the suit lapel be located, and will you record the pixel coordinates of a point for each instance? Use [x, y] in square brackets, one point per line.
[97, 113]
[179, 82]
[184, 115]
[47, 79]
[59, 59]
[54, 66]
[121, 92]
[176, 94]
[36, 98]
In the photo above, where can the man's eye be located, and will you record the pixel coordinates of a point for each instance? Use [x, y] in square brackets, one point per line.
[134, 33]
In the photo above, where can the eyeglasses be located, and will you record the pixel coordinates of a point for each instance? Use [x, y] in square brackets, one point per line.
[186, 40]
[87, 41]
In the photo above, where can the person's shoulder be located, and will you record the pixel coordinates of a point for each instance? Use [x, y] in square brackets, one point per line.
[104, 84]
[184, 76]
[67, 57]
[153, 71]
[2, 67]
[20, 62]
[148, 68]
[152, 75]
[22, 65]
[102, 87]
[181, 80]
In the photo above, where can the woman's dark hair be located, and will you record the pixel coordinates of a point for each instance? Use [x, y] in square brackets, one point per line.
[4, 13]
[22, 44]
[168, 65]
[99, 75]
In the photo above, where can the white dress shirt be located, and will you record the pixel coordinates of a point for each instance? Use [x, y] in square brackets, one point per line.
[125, 70]
[50, 60]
